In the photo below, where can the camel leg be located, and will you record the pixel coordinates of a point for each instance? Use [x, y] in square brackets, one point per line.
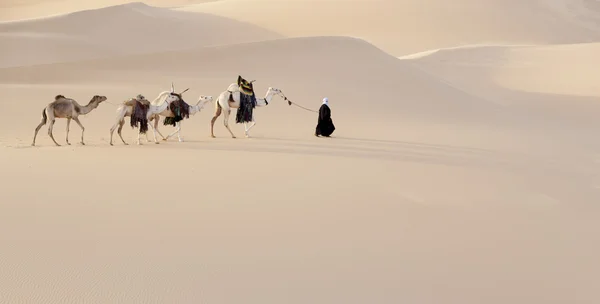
[156, 121]
[121, 124]
[37, 129]
[250, 127]
[50, 127]
[82, 128]
[176, 126]
[226, 121]
[212, 121]
[138, 137]
[146, 134]
[112, 129]
[149, 123]
[68, 124]
[153, 132]
[177, 130]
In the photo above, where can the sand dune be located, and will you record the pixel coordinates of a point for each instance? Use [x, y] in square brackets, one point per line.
[554, 69]
[460, 175]
[361, 78]
[556, 80]
[405, 27]
[12, 10]
[124, 29]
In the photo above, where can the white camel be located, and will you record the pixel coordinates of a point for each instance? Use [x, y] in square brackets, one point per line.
[126, 109]
[202, 100]
[230, 99]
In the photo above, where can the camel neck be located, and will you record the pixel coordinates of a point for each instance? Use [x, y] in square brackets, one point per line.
[164, 106]
[86, 109]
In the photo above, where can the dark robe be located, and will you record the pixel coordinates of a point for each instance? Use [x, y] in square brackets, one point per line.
[325, 125]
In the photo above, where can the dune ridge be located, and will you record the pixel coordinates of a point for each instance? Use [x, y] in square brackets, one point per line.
[406, 27]
[118, 30]
[23, 10]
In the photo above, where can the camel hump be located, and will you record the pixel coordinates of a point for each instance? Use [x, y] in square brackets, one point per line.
[142, 100]
[59, 96]
[134, 102]
[234, 87]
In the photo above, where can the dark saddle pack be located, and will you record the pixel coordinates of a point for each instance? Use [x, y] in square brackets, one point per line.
[140, 106]
[247, 100]
[181, 110]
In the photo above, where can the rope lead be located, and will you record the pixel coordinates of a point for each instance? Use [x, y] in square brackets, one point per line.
[299, 106]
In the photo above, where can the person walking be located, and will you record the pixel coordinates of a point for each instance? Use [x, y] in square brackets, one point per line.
[325, 125]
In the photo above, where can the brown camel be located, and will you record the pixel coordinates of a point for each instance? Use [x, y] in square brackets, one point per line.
[63, 107]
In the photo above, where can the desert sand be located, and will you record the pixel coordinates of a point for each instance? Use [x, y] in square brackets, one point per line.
[464, 167]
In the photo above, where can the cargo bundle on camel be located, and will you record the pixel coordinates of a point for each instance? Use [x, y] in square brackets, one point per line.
[247, 100]
[176, 112]
[240, 96]
[140, 110]
[140, 106]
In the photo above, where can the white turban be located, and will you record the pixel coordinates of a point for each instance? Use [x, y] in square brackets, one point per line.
[325, 100]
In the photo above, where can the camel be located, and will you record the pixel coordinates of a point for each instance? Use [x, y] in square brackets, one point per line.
[63, 107]
[167, 113]
[230, 99]
[128, 108]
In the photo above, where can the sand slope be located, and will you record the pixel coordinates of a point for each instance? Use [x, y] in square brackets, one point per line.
[453, 177]
[555, 69]
[124, 29]
[555, 83]
[12, 10]
[404, 27]
[369, 86]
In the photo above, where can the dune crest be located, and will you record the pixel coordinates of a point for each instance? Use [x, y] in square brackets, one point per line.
[115, 30]
[406, 27]
[20, 10]
[527, 68]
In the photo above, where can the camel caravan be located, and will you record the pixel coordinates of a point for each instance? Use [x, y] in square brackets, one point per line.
[145, 114]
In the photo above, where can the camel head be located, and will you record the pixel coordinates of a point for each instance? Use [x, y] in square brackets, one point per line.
[96, 100]
[204, 99]
[270, 93]
[273, 91]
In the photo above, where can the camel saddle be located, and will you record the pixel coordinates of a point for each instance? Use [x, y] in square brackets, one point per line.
[247, 100]
[138, 101]
[246, 87]
[140, 106]
[180, 109]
